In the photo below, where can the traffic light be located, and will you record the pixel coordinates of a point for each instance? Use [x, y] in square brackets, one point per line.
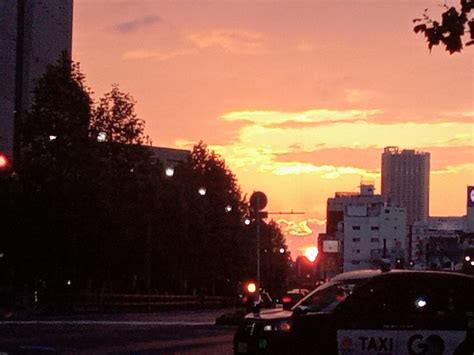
[5, 165]
[4, 162]
[251, 287]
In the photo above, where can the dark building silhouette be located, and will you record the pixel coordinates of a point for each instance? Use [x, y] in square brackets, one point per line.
[33, 34]
[406, 181]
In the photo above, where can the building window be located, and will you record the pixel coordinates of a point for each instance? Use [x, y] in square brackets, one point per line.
[374, 240]
[395, 227]
[387, 211]
[374, 228]
[356, 228]
[355, 262]
[355, 240]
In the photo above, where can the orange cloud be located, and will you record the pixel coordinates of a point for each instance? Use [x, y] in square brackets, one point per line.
[293, 228]
[233, 41]
[305, 47]
[366, 158]
[155, 54]
[320, 115]
[359, 96]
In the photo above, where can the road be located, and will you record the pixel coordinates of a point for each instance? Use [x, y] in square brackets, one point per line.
[171, 332]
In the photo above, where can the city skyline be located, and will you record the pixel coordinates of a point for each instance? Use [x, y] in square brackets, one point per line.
[299, 110]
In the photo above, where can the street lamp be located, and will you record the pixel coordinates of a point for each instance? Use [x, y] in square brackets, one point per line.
[202, 191]
[101, 137]
[169, 171]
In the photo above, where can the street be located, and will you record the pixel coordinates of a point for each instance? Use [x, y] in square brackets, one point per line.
[170, 332]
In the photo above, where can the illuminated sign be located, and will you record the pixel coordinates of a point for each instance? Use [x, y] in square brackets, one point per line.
[470, 196]
[331, 246]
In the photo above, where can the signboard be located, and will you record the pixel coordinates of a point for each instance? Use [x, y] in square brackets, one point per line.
[330, 246]
[470, 196]
[398, 342]
[258, 201]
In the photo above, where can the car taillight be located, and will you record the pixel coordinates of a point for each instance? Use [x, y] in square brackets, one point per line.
[286, 299]
[284, 326]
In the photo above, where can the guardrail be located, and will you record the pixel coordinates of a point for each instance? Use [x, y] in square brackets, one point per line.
[91, 302]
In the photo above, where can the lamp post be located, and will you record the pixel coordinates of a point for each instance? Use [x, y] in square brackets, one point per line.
[258, 201]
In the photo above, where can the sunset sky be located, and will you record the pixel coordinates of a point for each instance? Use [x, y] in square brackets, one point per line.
[298, 97]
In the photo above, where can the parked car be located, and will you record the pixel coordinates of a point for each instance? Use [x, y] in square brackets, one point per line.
[292, 297]
[371, 312]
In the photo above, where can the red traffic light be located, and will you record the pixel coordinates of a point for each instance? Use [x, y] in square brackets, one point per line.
[4, 162]
[251, 287]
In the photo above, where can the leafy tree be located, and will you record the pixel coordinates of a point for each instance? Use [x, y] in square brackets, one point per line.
[274, 263]
[54, 132]
[115, 118]
[455, 22]
[122, 191]
[91, 205]
[214, 244]
[53, 141]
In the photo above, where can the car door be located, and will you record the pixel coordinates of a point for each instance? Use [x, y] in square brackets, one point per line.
[369, 320]
[402, 314]
[439, 306]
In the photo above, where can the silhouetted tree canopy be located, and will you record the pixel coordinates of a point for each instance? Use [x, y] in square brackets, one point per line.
[91, 209]
[115, 117]
[455, 22]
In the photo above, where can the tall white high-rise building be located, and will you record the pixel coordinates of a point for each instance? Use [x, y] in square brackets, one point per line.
[33, 34]
[406, 181]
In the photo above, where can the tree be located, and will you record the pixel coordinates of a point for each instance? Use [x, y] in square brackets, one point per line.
[50, 172]
[114, 119]
[455, 22]
[213, 245]
[274, 262]
[123, 192]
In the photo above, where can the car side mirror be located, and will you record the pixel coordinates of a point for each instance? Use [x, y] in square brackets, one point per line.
[300, 310]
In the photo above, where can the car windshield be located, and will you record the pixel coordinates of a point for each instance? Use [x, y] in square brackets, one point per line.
[326, 297]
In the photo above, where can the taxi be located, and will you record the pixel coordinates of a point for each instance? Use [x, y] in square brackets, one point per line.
[371, 312]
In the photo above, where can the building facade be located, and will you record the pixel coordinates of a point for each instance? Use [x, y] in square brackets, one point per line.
[440, 242]
[362, 229]
[437, 243]
[469, 224]
[406, 180]
[371, 232]
[33, 34]
[170, 157]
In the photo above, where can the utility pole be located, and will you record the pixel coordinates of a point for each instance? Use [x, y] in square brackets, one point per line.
[258, 201]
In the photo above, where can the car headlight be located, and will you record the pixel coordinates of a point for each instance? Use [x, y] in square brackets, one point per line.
[282, 326]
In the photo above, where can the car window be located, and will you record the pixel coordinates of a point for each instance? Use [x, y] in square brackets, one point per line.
[408, 297]
[326, 297]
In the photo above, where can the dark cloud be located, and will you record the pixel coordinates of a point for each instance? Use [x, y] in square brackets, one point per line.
[370, 158]
[134, 25]
[367, 158]
[298, 124]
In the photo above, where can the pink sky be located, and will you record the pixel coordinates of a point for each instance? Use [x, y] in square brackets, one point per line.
[299, 97]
